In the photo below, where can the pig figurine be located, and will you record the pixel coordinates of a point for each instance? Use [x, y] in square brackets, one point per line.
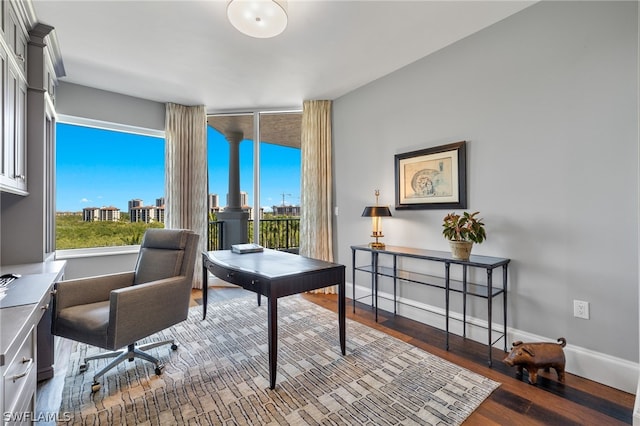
[534, 356]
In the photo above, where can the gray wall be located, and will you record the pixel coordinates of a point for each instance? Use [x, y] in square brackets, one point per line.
[96, 104]
[547, 100]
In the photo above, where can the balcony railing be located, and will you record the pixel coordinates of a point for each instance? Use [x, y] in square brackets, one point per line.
[278, 234]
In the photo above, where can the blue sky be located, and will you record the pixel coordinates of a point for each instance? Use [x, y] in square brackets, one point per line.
[96, 168]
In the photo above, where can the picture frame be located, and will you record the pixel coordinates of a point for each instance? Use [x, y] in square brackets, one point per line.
[432, 178]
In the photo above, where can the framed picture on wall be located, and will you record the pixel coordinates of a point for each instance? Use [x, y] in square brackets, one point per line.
[432, 178]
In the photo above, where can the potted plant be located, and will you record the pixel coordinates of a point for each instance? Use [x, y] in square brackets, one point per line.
[462, 232]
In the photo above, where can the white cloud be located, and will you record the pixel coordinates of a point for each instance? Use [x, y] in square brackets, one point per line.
[85, 200]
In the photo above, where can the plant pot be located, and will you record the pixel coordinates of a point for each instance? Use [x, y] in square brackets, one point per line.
[461, 249]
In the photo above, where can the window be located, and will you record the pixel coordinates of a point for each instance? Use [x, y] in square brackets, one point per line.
[273, 198]
[109, 184]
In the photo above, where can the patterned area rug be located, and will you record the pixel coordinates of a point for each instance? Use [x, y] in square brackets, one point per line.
[219, 375]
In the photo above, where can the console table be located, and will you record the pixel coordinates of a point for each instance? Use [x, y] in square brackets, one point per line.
[487, 291]
[275, 274]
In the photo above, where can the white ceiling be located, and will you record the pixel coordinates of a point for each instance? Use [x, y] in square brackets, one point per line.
[187, 52]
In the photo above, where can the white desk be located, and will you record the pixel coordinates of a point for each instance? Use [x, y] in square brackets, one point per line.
[26, 343]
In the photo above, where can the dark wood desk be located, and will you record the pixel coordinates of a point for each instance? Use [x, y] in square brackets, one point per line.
[275, 274]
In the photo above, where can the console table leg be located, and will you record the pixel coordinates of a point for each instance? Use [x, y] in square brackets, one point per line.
[504, 303]
[395, 283]
[447, 267]
[375, 282]
[272, 330]
[464, 301]
[353, 279]
[489, 299]
[374, 274]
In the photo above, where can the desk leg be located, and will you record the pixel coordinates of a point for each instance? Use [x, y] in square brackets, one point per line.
[272, 330]
[205, 289]
[341, 315]
[489, 307]
[447, 268]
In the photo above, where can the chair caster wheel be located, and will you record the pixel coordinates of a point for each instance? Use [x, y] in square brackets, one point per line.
[83, 367]
[159, 370]
[95, 387]
[174, 347]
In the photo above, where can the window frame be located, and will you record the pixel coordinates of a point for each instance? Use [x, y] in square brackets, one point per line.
[255, 136]
[110, 126]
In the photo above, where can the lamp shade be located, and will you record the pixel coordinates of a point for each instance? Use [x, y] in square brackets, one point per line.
[376, 211]
[258, 18]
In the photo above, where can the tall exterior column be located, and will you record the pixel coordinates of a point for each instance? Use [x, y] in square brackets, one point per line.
[234, 139]
[235, 221]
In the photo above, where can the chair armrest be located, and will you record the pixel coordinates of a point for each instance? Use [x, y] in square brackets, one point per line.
[144, 309]
[90, 290]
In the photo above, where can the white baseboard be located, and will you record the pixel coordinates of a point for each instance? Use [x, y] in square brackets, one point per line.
[600, 367]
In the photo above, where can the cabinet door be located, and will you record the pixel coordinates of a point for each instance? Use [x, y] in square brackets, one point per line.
[14, 175]
[4, 111]
[16, 38]
[4, 6]
[20, 141]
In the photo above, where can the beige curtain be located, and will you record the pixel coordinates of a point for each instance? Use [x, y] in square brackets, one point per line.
[186, 174]
[316, 230]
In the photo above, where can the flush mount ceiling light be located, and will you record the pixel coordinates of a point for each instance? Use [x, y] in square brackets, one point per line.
[258, 18]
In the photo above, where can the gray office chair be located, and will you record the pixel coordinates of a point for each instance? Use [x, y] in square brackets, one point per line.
[114, 311]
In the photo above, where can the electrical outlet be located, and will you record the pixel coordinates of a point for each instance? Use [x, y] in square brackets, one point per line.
[581, 309]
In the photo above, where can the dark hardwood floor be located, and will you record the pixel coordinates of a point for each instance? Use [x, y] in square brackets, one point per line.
[577, 401]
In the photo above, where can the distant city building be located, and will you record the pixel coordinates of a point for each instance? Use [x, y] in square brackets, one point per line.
[160, 214]
[146, 214]
[214, 201]
[286, 210]
[135, 203]
[94, 214]
[91, 214]
[160, 202]
[111, 214]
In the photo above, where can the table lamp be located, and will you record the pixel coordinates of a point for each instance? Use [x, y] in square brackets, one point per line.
[376, 213]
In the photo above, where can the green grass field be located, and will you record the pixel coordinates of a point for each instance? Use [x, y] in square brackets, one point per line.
[72, 232]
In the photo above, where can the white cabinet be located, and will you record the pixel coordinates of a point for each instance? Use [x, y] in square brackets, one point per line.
[13, 124]
[19, 382]
[16, 38]
[4, 112]
[15, 176]
[23, 329]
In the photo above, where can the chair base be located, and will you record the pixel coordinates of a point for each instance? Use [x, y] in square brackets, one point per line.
[127, 354]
